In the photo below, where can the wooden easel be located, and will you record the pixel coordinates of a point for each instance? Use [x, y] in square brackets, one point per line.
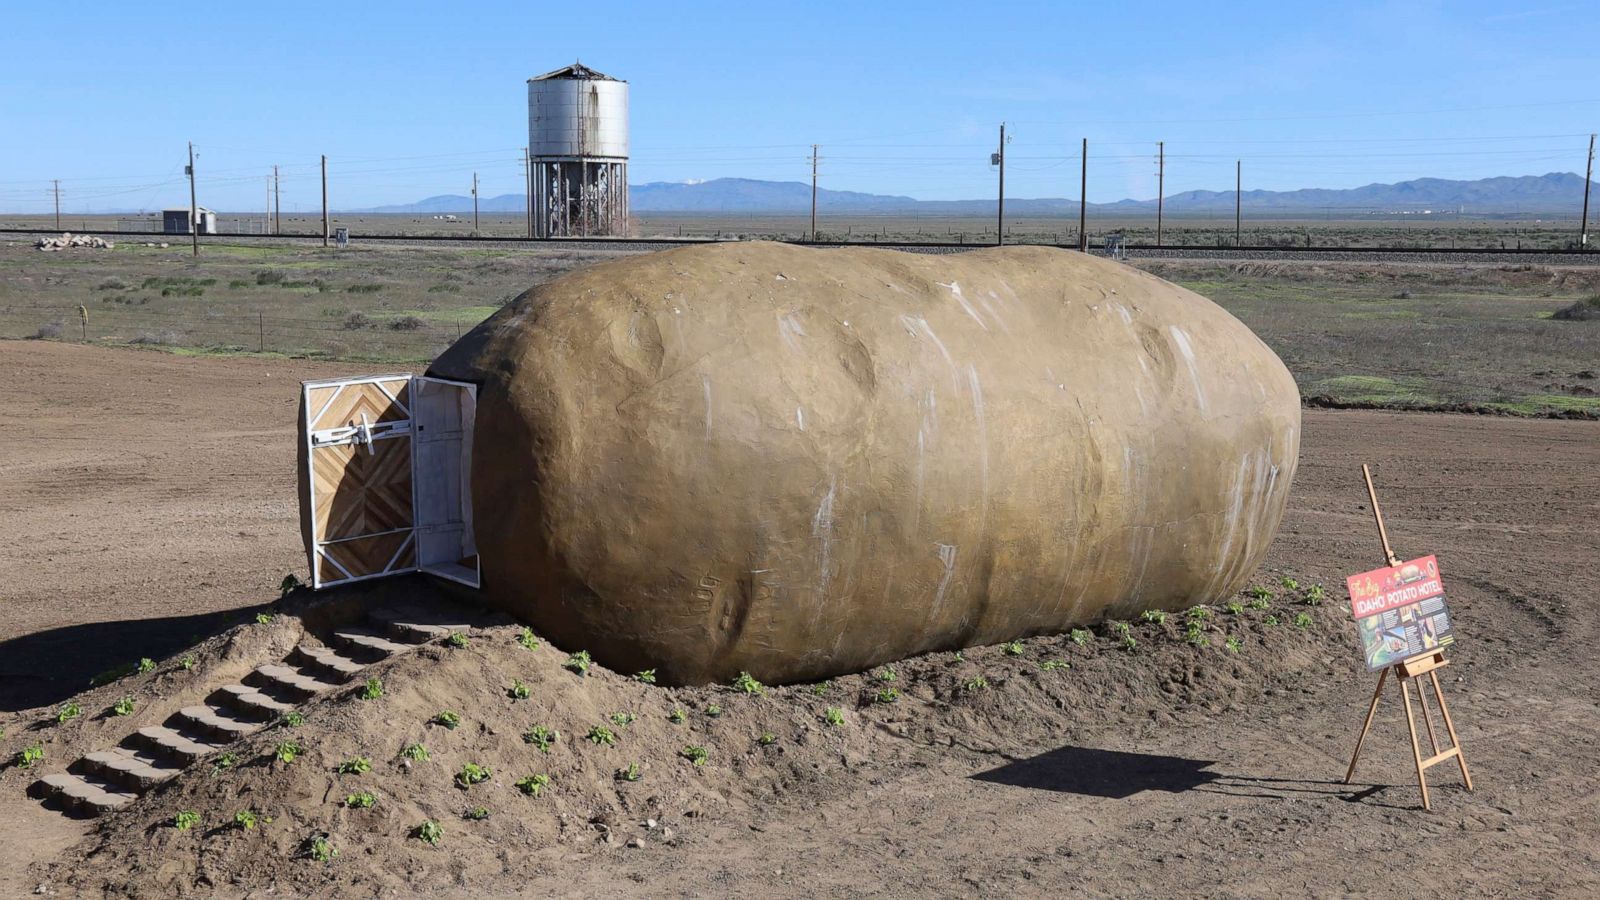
[1405, 672]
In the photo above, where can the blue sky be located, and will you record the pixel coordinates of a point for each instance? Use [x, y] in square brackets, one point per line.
[408, 99]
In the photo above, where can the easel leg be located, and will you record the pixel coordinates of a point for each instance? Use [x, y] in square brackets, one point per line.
[1427, 718]
[1367, 725]
[1416, 748]
[1444, 711]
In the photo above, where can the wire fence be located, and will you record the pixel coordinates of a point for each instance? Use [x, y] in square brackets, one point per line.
[357, 335]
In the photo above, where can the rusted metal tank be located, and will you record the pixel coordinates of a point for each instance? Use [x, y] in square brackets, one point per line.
[801, 462]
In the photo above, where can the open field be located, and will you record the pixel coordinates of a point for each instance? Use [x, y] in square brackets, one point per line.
[168, 518]
[1430, 336]
[1215, 230]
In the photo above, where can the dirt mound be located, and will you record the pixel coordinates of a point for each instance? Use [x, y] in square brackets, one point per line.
[758, 748]
[1583, 310]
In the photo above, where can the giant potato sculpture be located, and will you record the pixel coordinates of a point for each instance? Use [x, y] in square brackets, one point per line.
[802, 462]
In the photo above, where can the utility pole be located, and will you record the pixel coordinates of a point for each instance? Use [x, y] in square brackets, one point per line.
[324, 200]
[57, 183]
[1083, 198]
[474, 204]
[1583, 228]
[194, 206]
[1238, 200]
[1000, 225]
[813, 193]
[1161, 184]
[277, 210]
[527, 186]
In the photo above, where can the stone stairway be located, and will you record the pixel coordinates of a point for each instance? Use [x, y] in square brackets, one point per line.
[110, 779]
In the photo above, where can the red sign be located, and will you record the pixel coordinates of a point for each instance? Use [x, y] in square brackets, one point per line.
[1390, 588]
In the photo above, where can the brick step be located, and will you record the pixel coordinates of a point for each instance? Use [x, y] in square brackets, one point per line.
[289, 680]
[410, 627]
[251, 702]
[134, 771]
[181, 748]
[217, 723]
[369, 641]
[85, 794]
[327, 662]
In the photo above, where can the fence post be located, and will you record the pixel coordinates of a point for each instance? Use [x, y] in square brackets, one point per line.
[83, 317]
[261, 332]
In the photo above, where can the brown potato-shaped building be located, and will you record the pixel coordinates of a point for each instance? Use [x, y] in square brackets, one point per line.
[804, 462]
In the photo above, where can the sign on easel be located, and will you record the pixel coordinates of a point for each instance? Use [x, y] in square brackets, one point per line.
[1400, 612]
[1404, 627]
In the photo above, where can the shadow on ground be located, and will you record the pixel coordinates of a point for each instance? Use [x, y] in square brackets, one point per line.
[1117, 775]
[47, 667]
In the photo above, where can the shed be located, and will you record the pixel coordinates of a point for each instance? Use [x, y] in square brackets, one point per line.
[176, 221]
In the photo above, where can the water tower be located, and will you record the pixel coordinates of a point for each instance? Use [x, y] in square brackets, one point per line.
[578, 144]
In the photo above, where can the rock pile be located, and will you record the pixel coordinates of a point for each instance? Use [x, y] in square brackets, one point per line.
[68, 241]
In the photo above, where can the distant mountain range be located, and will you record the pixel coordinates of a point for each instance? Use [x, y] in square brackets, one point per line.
[1555, 192]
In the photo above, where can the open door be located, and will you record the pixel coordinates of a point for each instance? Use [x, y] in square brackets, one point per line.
[387, 480]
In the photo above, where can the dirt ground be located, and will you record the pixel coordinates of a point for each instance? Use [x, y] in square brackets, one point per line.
[147, 502]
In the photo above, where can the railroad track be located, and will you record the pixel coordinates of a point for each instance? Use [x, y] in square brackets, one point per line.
[1474, 255]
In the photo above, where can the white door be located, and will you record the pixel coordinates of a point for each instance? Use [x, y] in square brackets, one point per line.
[388, 478]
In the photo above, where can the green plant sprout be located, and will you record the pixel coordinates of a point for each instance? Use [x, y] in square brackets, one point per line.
[528, 639]
[1301, 620]
[1315, 595]
[1232, 645]
[821, 687]
[630, 772]
[224, 762]
[320, 850]
[245, 818]
[458, 640]
[187, 663]
[648, 676]
[287, 751]
[475, 814]
[532, 784]
[1270, 620]
[1154, 616]
[767, 739]
[68, 712]
[623, 719]
[1081, 636]
[30, 756]
[123, 707]
[1012, 648]
[264, 618]
[1260, 603]
[518, 690]
[356, 765]
[833, 716]
[448, 719]
[429, 832]
[541, 737]
[1289, 584]
[1051, 665]
[746, 683]
[185, 819]
[695, 754]
[471, 774]
[887, 695]
[1260, 593]
[415, 752]
[677, 716]
[602, 736]
[361, 800]
[294, 719]
[887, 673]
[289, 583]
[146, 666]
[714, 711]
[1199, 612]
[977, 683]
[578, 662]
[372, 690]
[1234, 607]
